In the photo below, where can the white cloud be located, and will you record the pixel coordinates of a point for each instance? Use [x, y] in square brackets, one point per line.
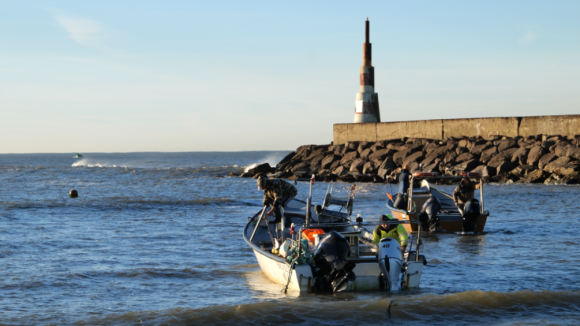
[531, 34]
[84, 31]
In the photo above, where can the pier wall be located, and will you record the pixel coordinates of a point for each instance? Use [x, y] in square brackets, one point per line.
[563, 125]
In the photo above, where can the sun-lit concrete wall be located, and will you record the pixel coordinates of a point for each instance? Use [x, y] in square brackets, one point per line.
[564, 125]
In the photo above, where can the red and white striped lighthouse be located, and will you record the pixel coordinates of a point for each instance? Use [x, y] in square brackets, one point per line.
[367, 101]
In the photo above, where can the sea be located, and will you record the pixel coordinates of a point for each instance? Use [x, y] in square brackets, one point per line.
[156, 239]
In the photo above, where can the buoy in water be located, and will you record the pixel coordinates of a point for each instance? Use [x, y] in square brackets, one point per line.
[73, 194]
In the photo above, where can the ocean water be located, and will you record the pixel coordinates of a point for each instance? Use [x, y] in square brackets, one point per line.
[156, 239]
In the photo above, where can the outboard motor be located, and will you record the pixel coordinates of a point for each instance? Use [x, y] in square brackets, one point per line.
[390, 262]
[470, 215]
[331, 270]
[428, 216]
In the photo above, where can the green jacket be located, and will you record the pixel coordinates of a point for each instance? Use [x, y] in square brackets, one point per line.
[399, 234]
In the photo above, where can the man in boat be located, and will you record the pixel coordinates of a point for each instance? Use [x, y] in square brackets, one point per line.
[464, 192]
[401, 201]
[277, 193]
[398, 232]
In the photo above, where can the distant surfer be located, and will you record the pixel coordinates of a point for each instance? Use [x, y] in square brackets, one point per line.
[277, 193]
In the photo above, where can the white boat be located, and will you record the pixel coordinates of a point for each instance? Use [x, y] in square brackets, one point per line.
[342, 255]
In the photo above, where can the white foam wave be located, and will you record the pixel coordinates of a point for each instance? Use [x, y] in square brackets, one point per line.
[272, 160]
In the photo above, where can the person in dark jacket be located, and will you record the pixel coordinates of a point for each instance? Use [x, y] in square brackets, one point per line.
[277, 193]
[401, 201]
[464, 192]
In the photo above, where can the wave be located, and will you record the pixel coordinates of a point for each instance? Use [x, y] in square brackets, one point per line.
[466, 308]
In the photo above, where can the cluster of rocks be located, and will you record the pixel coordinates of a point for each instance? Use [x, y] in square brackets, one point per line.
[536, 159]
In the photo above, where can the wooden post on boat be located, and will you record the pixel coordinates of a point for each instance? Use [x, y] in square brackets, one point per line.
[258, 223]
[309, 203]
[418, 241]
[410, 203]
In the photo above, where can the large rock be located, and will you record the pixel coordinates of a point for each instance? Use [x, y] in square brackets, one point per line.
[547, 144]
[431, 146]
[339, 171]
[365, 153]
[381, 154]
[523, 170]
[488, 154]
[348, 158]
[369, 168]
[535, 154]
[561, 148]
[377, 146]
[536, 176]
[520, 156]
[434, 167]
[364, 145]
[505, 144]
[461, 150]
[556, 164]
[430, 159]
[544, 160]
[506, 167]
[501, 157]
[414, 158]
[478, 149]
[349, 147]
[465, 166]
[399, 156]
[337, 149]
[357, 165]
[327, 161]
[569, 169]
[449, 157]
[334, 165]
[300, 167]
[573, 152]
[465, 157]
[486, 171]
[315, 161]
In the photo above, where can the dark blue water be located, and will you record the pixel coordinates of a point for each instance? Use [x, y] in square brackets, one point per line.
[155, 239]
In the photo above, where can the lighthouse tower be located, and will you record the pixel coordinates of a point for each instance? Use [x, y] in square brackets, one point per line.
[367, 101]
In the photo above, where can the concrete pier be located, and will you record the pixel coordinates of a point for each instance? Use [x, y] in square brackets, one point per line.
[367, 101]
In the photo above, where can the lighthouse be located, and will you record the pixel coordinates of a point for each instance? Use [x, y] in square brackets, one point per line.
[367, 101]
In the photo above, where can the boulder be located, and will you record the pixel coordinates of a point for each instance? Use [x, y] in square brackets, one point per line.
[434, 167]
[316, 160]
[357, 165]
[573, 152]
[262, 168]
[430, 159]
[349, 147]
[461, 150]
[377, 146]
[520, 156]
[300, 167]
[337, 149]
[431, 146]
[547, 144]
[365, 153]
[414, 158]
[285, 160]
[364, 145]
[369, 168]
[478, 149]
[535, 154]
[486, 171]
[326, 163]
[465, 157]
[339, 171]
[505, 144]
[303, 151]
[524, 169]
[465, 166]
[381, 154]
[334, 165]
[561, 148]
[488, 154]
[569, 169]
[544, 160]
[465, 143]
[399, 156]
[556, 164]
[450, 157]
[506, 167]
[536, 176]
[348, 158]
[414, 167]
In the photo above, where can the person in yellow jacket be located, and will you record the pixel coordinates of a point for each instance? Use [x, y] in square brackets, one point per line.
[397, 232]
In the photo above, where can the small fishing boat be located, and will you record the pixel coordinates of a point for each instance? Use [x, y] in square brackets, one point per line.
[77, 156]
[326, 250]
[444, 216]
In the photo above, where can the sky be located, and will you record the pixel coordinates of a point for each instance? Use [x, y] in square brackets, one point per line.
[180, 76]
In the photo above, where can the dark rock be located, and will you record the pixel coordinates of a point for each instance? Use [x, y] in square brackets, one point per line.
[431, 146]
[506, 167]
[232, 174]
[520, 156]
[246, 175]
[369, 168]
[478, 149]
[544, 160]
[364, 145]
[350, 147]
[316, 152]
[486, 171]
[337, 149]
[507, 144]
[365, 153]
[357, 165]
[381, 154]
[432, 168]
[488, 154]
[536, 176]
[414, 158]
[561, 148]
[430, 159]
[465, 166]
[465, 157]
[554, 138]
[505, 156]
[326, 163]
[535, 154]
[556, 164]
[262, 168]
[450, 157]
[547, 144]
[315, 161]
[523, 170]
[377, 146]
[465, 143]
[461, 150]
[384, 172]
[300, 167]
[285, 160]
[348, 158]
[395, 146]
[413, 167]
[339, 171]
[334, 165]
[399, 156]
[573, 152]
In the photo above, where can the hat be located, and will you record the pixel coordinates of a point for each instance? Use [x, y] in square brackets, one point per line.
[261, 182]
[384, 218]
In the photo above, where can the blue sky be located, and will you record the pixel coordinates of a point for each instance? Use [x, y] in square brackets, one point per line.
[128, 76]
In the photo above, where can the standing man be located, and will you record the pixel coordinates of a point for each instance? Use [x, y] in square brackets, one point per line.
[401, 201]
[277, 193]
[464, 192]
[398, 233]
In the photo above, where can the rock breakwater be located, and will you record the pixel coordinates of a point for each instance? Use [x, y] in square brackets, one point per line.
[534, 159]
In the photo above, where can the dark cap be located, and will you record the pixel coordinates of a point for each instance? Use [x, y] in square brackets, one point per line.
[385, 218]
